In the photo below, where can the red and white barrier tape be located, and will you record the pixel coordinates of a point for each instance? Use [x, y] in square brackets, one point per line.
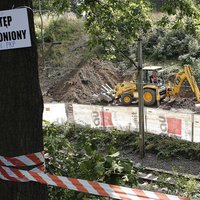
[91, 187]
[33, 159]
[22, 161]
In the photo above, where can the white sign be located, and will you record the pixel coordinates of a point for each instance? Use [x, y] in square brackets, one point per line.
[14, 29]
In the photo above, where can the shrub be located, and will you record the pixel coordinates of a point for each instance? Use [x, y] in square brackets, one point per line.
[84, 153]
[92, 154]
[163, 44]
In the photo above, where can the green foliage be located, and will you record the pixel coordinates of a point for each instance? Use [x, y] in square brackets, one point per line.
[87, 154]
[167, 147]
[161, 145]
[162, 44]
[63, 30]
[91, 154]
[52, 6]
[66, 43]
[186, 12]
[184, 185]
[181, 8]
[116, 24]
[178, 45]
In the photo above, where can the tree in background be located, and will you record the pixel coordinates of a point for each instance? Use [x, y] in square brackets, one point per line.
[115, 24]
[51, 6]
[21, 109]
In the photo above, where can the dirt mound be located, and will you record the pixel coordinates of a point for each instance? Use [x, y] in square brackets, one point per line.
[180, 103]
[84, 82]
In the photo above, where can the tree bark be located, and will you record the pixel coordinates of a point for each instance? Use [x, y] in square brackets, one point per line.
[21, 108]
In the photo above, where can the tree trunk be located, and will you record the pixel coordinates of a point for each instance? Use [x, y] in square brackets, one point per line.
[21, 108]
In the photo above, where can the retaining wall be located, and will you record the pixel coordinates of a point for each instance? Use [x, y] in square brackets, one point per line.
[185, 126]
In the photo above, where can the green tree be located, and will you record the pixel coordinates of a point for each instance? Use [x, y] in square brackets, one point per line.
[186, 12]
[51, 6]
[116, 24]
[21, 109]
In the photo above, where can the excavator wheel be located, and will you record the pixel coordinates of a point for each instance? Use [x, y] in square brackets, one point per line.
[126, 99]
[149, 96]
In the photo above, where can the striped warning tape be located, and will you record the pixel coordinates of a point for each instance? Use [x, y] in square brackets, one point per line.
[22, 161]
[34, 159]
[91, 187]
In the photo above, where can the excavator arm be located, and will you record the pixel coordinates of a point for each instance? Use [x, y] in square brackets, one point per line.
[185, 74]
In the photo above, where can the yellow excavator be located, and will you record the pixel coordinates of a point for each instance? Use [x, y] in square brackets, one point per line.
[154, 91]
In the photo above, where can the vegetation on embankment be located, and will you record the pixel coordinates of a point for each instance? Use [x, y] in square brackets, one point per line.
[161, 45]
[93, 154]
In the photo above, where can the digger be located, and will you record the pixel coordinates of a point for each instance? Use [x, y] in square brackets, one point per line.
[155, 88]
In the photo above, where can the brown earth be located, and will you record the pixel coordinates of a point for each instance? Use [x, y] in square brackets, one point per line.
[83, 82]
[180, 103]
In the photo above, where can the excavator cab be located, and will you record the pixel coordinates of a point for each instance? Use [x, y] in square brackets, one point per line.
[148, 71]
[154, 88]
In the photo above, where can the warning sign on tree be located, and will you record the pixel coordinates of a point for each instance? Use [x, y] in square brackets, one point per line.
[14, 29]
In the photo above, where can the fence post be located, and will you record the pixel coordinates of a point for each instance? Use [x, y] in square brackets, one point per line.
[192, 127]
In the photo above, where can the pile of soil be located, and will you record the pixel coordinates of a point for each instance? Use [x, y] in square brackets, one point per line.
[84, 82]
[180, 103]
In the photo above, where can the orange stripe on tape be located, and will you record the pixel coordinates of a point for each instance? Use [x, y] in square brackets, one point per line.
[141, 194]
[18, 173]
[162, 196]
[120, 192]
[6, 175]
[38, 177]
[98, 188]
[34, 158]
[1, 163]
[78, 185]
[184, 198]
[15, 161]
[101, 189]
[57, 181]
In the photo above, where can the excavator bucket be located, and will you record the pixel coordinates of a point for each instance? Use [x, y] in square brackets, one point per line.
[106, 94]
[107, 89]
[105, 97]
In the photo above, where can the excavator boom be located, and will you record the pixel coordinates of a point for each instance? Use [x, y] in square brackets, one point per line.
[126, 93]
[185, 74]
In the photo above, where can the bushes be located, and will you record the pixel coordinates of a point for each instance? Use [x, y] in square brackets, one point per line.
[92, 154]
[63, 29]
[73, 39]
[84, 153]
[162, 44]
[166, 45]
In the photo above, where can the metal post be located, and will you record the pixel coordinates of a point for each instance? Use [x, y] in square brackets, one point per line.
[192, 127]
[141, 100]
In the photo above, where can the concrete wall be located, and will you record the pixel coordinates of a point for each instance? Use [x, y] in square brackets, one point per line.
[185, 126]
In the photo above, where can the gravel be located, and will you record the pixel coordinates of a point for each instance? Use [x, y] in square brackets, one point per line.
[180, 165]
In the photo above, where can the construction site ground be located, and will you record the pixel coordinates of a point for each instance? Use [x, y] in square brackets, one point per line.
[82, 83]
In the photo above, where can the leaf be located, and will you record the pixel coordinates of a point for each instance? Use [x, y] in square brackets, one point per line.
[115, 154]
